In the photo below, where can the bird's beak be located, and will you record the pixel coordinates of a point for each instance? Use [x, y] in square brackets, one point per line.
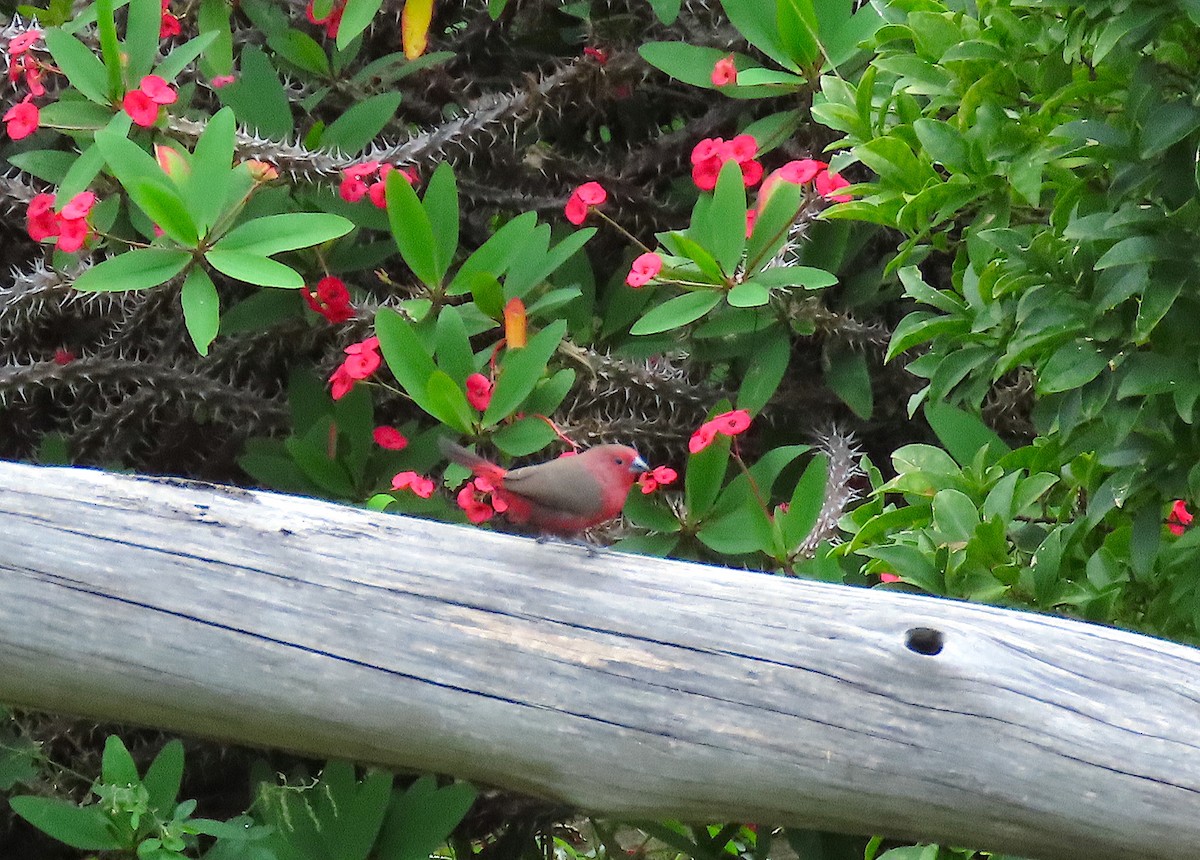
[638, 466]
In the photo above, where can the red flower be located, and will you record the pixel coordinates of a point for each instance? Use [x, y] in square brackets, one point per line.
[727, 424]
[1180, 517]
[802, 170]
[331, 300]
[644, 269]
[390, 438]
[71, 234]
[829, 182]
[330, 22]
[724, 72]
[40, 220]
[169, 26]
[33, 77]
[471, 499]
[222, 81]
[63, 356]
[657, 477]
[79, 206]
[582, 199]
[141, 109]
[18, 45]
[363, 360]
[418, 484]
[479, 391]
[158, 90]
[598, 54]
[710, 154]
[22, 119]
[888, 577]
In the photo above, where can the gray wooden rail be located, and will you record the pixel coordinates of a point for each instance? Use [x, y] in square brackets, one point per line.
[627, 686]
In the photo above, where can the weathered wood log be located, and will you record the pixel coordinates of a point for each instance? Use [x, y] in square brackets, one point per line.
[628, 686]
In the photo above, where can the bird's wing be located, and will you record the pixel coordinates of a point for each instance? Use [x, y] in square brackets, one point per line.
[559, 485]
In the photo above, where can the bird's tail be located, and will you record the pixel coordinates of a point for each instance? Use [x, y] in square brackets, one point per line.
[478, 465]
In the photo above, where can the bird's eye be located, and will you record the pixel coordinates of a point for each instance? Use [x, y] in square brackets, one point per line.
[620, 461]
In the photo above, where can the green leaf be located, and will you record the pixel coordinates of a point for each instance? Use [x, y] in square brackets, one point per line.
[301, 50]
[705, 475]
[163, 778]
[273, 234]
[116, 765]
[310, 452]
[964, 435]
[165, 208]
[943, 143]
[724, 228]
[1071, 366]
[261, 310]
[410, 362]
[201, 308]
[796, 25]
[677, 312]
[850, 379]
[911, 565]
[521, 370]
[134, 270]
[351, 812]
[453, 352]
[767, 368]
[796, 276]
[494, 256]
[422, 818]
[646, 511]
[772, 224]
[447, 401]
[441, 208]
[75, 115]
[524, 436]
[412, 230]
[110, 48]
[207, 186]
[183, 56]
[531, 267]
[141, 37]
[806, 502]
[745, 529]
[80, 64]
[254, 269]
[48, 165]
[86, 828]
[258, 98]
[955, 516]
[357, 127]
[356, 17]
[85, 169]
[758, 22]
[748, 295]
[213, 20]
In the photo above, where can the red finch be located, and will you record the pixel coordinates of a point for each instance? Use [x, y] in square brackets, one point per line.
[561, 497]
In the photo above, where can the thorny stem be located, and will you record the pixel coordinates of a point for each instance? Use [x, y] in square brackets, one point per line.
[632, 238]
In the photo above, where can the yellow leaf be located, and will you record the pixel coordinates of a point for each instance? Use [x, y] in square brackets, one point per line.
[414, 26]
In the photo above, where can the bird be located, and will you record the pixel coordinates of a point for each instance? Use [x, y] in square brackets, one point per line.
[562, 497]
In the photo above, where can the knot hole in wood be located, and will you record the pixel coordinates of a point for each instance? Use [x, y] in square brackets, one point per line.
[924, 640]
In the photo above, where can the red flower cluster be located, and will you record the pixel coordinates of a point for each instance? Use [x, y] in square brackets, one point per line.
[1179, 518]
[479, 391]
[644, 270]
[474, 499]
[22, 119]
[726, 424]
[69, 226]
[364, 359]
[169, 25]
[711, 153]
[354, 182]
[330, 22]
[389, 438]
[143, 103]
[20, 61]
[827, 182]
[657, 477]
[598, 54]
[418, 484]
[724, 72]
[331, 300]
[582, 199]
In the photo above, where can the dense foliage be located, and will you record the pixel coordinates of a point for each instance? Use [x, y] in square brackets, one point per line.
[294, 247]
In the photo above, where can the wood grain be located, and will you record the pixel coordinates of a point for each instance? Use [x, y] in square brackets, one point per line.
[628, 686]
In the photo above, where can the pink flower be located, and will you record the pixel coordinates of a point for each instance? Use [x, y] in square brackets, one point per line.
[79, 206]
[63, 356]
[169, 25]
[418, 484]
[40, 220]
[18, 45]
[582, 199]
[709, 155]
[140, 107]
[389, 438]
[801, 171]
[888, 577]
[657, 477]
[724, 72]
[22, 119]
[331, 299]
[158, 90]
[340, 382]
[476, 509]
[598, 54]
[222, 81]
[363, 360]
[1180, 517]
[829, 182]
[72, 233]
[727, 424]
[479, 391]
[644, 269]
